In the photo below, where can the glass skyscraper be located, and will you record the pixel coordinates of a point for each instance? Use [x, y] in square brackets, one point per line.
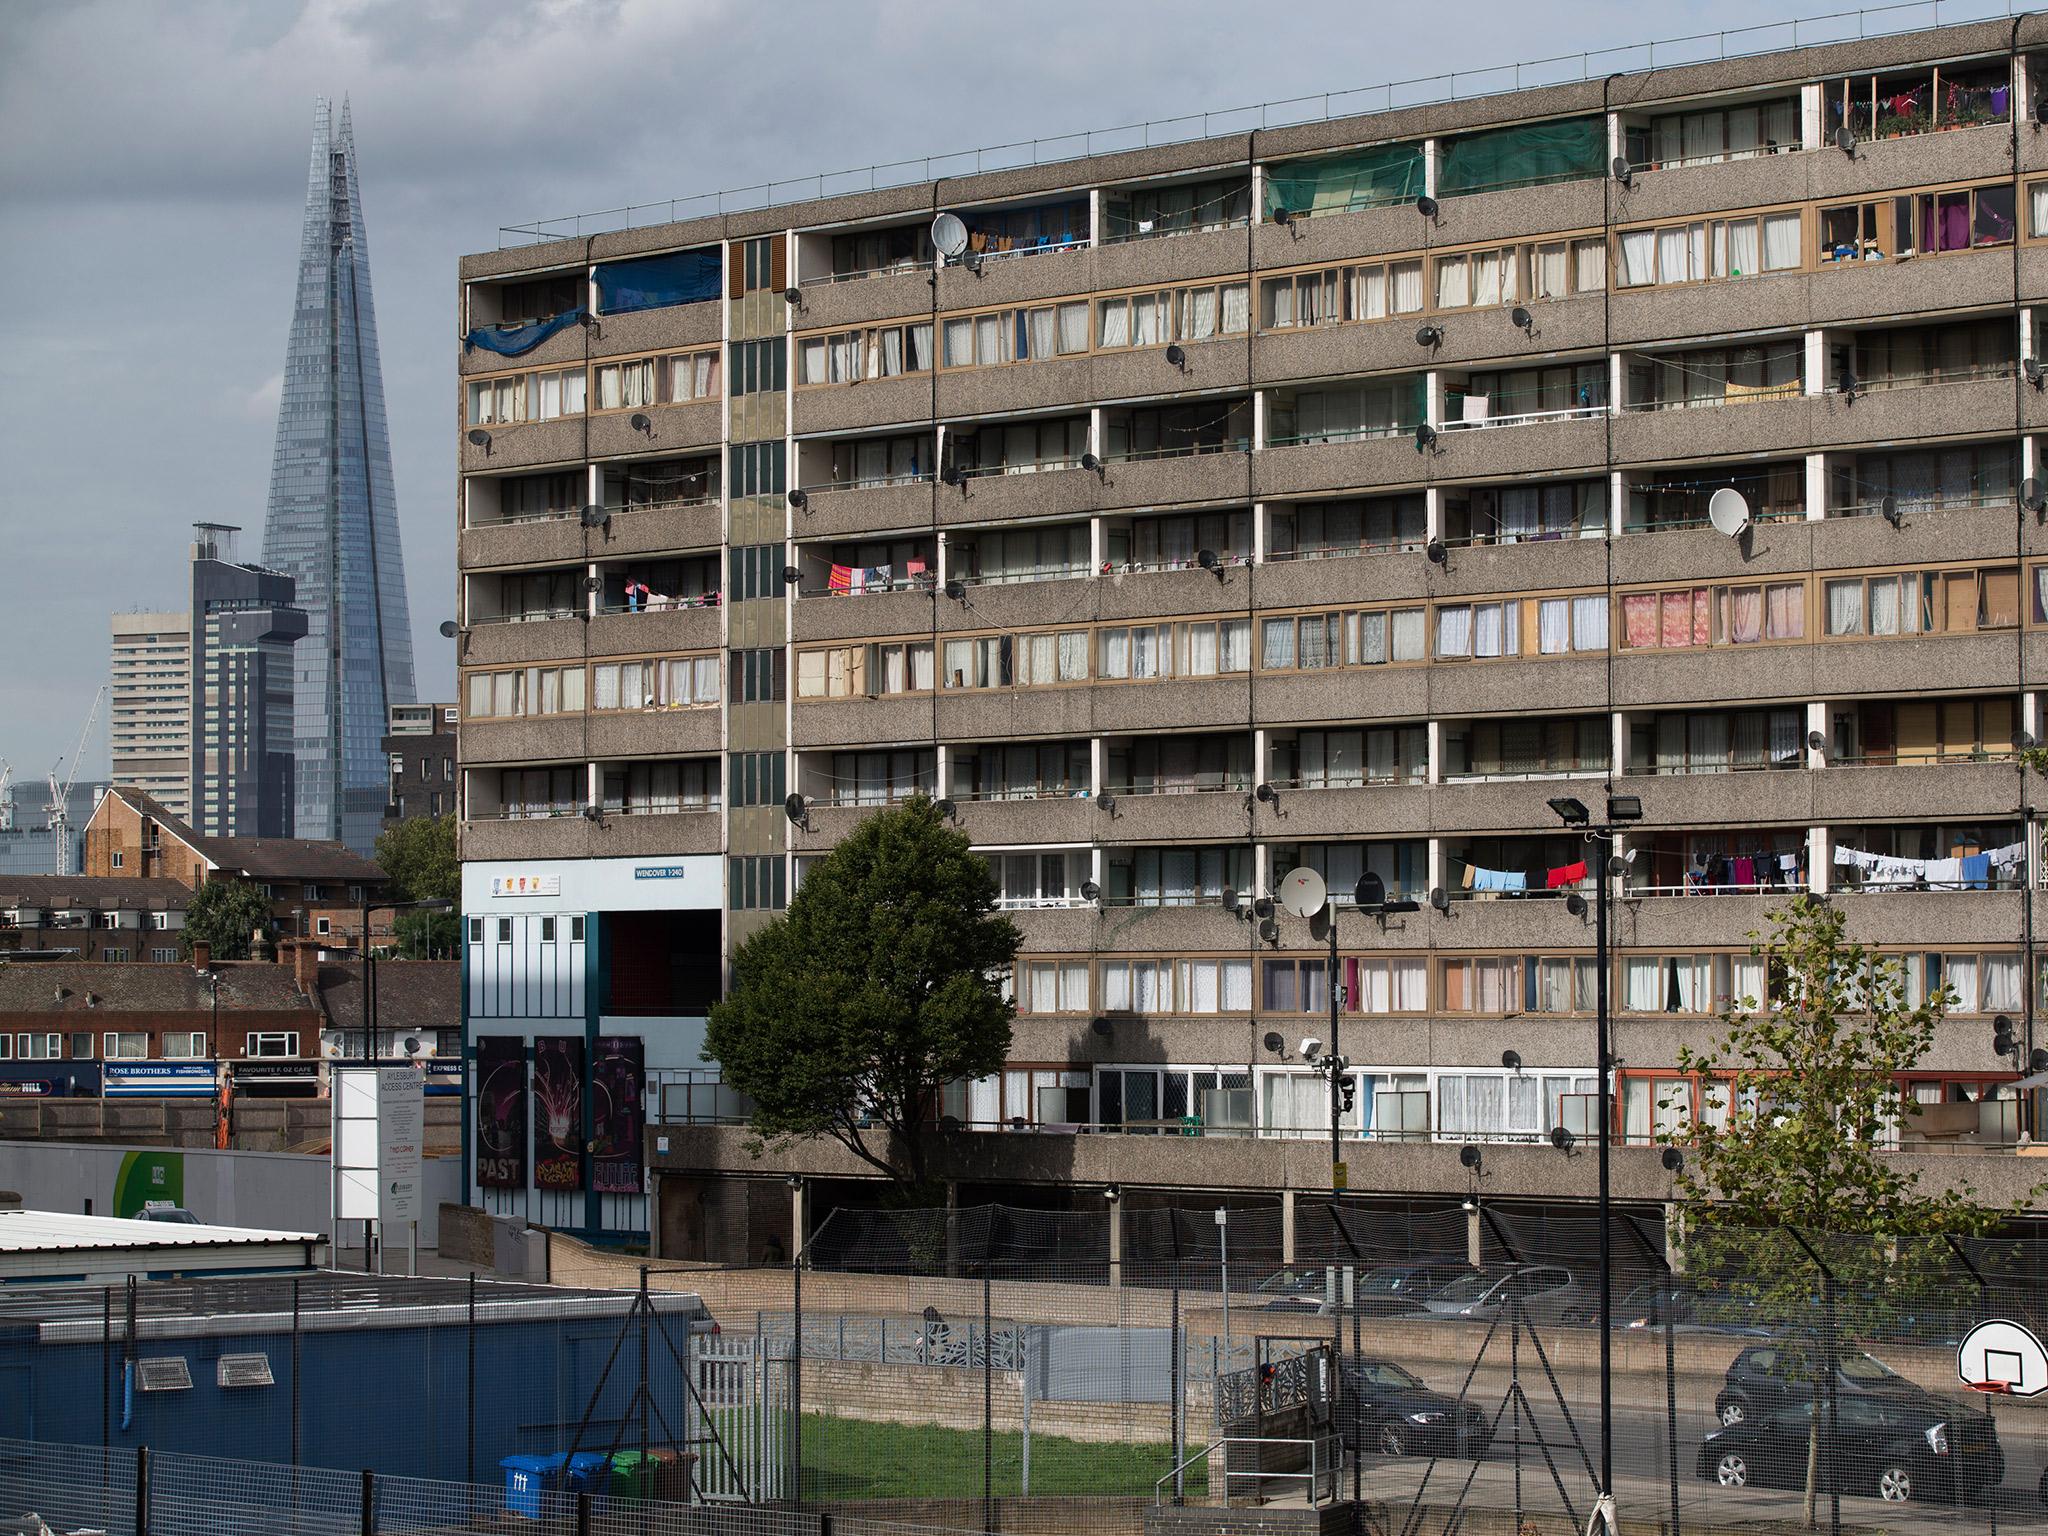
[332, 521]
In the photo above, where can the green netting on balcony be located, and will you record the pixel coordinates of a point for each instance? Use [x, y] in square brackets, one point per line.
[1526, 156]
[1361, 178]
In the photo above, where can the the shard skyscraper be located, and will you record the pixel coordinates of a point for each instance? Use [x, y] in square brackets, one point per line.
[332, 522]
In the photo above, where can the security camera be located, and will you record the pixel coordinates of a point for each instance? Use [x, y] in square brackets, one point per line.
[1311, 1048]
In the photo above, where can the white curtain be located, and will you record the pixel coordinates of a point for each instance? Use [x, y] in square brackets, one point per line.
[1408, 634]
[1487, 638]
[1589, 265]
[1200, 315]
[1845, 607]
[2037, 208]
[1548, 274]
[1553, 625]
[1781, 242]
[1042, 328]
[1638, 258]
[1743, 252]
[1406, 290]
[1278, 648]
[1642, 983]
[1236, 308]
[1454, 632]
[1116, 323]
[959, 343]
[1453, 282]
[1369, 287]
[1237, 645]
[1589, 623]
[1073, 328]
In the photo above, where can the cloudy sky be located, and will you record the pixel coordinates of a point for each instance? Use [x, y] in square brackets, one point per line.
[153, 165]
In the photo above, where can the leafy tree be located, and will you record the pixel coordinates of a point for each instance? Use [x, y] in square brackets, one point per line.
[879, 985]
[427, 935]
[1802, 1096]
[417, 855]
[224, 914]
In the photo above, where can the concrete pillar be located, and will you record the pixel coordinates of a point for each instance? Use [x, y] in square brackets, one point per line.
[1617, 503]
[1429, 159]
[799, 1216]
[1474, 1235]
[1819, 860]
[1433, 770]
[1617, 744]
[1817, 720]
[1816, 487]
[1286, 1226]
[1810, 118]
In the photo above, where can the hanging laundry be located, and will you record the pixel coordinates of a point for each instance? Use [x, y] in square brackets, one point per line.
[1977, 872]
[1565, 874]
[841, 579]
[1944, 874]
[1742, 871]
[877, 578]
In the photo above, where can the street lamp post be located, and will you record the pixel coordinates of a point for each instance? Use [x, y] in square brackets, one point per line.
[1621, 811]
[433, 904]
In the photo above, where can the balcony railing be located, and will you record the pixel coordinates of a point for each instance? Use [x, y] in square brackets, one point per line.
[1733, 394]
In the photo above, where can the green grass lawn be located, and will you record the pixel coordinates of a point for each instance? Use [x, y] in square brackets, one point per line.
[855, 1459]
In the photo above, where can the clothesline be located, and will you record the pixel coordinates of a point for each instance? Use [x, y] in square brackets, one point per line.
[1965, 872]
[1557, 878]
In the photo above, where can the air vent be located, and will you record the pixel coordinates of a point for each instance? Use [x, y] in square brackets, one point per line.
[243, 1371]
[163, 1373]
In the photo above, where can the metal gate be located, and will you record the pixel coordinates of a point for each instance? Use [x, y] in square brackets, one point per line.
[743, 1387]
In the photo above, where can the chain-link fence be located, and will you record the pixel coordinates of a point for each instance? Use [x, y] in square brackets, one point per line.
[994, 1370]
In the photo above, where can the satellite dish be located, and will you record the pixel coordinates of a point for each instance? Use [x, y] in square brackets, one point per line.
[1440, 899]
[1302, 892]
[447, 629]
[1371, 890]
[1727, 511]
[949, 235]
[794, 808]
[1622, 171]
[1845, 141]
[1273, 1042]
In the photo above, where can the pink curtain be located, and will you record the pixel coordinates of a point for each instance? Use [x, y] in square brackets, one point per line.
[1743, 613]
[1785, 613]
[1677, 620]
[1639, 616]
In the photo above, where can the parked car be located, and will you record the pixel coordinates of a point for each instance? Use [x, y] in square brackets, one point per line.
[1399, 1416]
[1645, 1305]
[172, 1213]
[1893, 1448]
[1549, 1294]
[1392, 1289]
[1764, 1378]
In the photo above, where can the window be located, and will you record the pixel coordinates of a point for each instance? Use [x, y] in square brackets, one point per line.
[1042, 879]
[759, 263]
[1019, 447]
[1179, 876]
[1019, 770]
[1403, 867]
[1348, 759]
[1154, 319]
[759, 676]
[1706, 136]
[1922, 602]
[1959, 95]
[1678, 498]
[875, 778]
[114, 954]
[1178, 765]
[529, 691]
[504, 930]
[757, 468]
[863, 253]
[1052, 986]
[1204, 985]
[1478, 631]
[1883, 732]
[1519, 394]
[46, 1047]
[323, 926]
[659, 483]
[1706, 249]
[1373, 637]
[181, 1045]
[1138, 213]
[1520, 514]
[124, 1045]
[1175, 542]
[547, 930]
[516, 397]
[117, 858]
[1316, 530]
[1921, 224]
[756, 883]
[1718, 741]
[537, 298]
[656, 789]
[756, 571]
[758, 778]
[1371, 985]
[1154, 432]
[1000, 556]
[876, 352]
[1979, 475]
[1691, 983]
[758, 367]
[1525, 746]
[865, 462]
[1342, 413]
[1764, 370]
[310, 892]
[1978, 983]
[282, 1042]
[163, 956]
[864, 671]
[81, 1046]
[1688, 617]
[677, 682]
[1907, 357]
[1340, 295]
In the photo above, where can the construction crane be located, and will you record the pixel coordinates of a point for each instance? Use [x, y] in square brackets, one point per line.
[60, 795]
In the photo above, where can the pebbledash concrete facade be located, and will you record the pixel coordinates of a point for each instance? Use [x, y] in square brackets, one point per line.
[1333, 495]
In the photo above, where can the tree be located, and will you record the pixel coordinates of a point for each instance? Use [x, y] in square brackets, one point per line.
[225, 914]
[1801, 1093]
[417, 856]
[881, 984]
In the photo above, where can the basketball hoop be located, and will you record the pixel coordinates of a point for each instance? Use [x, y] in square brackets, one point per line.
[2004, 1357]
[2003, 1388]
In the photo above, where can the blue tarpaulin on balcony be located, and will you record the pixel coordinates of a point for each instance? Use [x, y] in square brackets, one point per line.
[656, 282]
[517, 340]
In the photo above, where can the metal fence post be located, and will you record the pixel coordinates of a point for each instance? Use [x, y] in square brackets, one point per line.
[582, 1514]
[295, 1371]
[988, 1403]
[368, 1522]
[142, 1491]
[469, 1416]
[106, 1366]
